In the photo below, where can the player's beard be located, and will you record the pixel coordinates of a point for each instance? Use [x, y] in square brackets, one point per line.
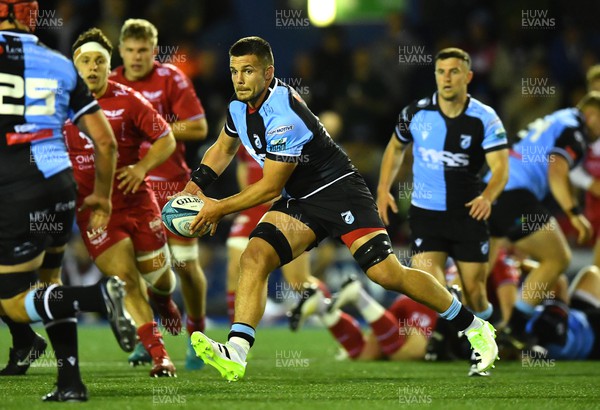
[252, 99]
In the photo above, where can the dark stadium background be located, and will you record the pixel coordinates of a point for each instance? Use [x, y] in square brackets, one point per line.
[529, 58]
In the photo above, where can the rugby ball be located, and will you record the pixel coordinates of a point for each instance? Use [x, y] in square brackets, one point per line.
[179, 213]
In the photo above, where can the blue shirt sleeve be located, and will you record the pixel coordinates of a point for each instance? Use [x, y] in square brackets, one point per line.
[494, 135]
[286, 137]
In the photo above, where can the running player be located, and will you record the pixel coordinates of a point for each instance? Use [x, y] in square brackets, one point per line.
[133, 245]
[172, 95]
[322, 195]
[452, 136]
[540, 164]
[41, 89]
[296, 273]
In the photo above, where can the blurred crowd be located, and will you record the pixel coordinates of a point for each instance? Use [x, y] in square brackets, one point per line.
[529, 59]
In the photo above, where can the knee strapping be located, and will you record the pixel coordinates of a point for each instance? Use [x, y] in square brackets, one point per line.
[375, 250]
[274, 237]
[162, 262]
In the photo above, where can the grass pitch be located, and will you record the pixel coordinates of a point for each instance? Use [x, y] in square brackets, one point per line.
[298, 371]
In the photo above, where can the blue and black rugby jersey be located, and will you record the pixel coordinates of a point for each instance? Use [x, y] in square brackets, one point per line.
[563, 133]
[284, 129]
[41, 88]
[580, 337]
[449, 153]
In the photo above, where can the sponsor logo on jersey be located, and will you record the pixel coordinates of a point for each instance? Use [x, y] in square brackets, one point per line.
[347, 217]
[465, 141]
[163, 72]
[114, 114]
[89, 144]
[97, 236]
[280, 130]
[152, 95]
[279, 144]
[450, 159]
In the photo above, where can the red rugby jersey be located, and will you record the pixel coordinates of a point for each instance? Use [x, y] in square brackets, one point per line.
[171, 93]
[133, 121]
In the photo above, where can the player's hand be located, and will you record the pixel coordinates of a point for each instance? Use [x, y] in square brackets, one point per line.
[594, 189]
[481, 208]
[190, 189]
[101, 208]
[131, 177]
[584, 228]
[385, 200]
[209, 214]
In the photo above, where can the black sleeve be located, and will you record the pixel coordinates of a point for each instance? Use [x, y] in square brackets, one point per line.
[402, 129]
[230, 126]
[81, 100]
[571, 145]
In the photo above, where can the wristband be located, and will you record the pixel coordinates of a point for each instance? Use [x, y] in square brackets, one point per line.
[204, 176]
[576, 210]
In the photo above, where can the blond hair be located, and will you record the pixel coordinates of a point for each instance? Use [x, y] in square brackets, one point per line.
[139, 29]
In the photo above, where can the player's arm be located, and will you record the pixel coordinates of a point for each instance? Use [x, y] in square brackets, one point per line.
[390, 165]
[105, 146]
[275, 176]
[560, 186]
[481, 206]
[191, 130]
[131, 177]
[582, 179]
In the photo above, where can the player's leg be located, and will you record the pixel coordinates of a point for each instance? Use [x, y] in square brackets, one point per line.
[432, 262]
[374, 254]
[155, 268]
[153, 259]
[276, 240]
[120, 260]
[235, 247]
[193, 281]
[383, 323]
[186, 264]
[584, 291]
[473, 276]
[549, 248]
[26, 342]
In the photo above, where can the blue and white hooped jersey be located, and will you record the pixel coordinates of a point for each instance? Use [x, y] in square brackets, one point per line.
[449, 153]
[39, 90]
[283, 129]
[563, 133]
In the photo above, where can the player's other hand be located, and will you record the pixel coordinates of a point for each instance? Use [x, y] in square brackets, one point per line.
[100, 207]
[209, 214]
[189, 189]
[584, 228]
[385, 200]
[130, 177]
[481, 208]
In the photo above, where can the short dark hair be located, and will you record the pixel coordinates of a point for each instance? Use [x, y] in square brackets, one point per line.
[93, 34]
[592, 98]
[454, 52]
[253, 45]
